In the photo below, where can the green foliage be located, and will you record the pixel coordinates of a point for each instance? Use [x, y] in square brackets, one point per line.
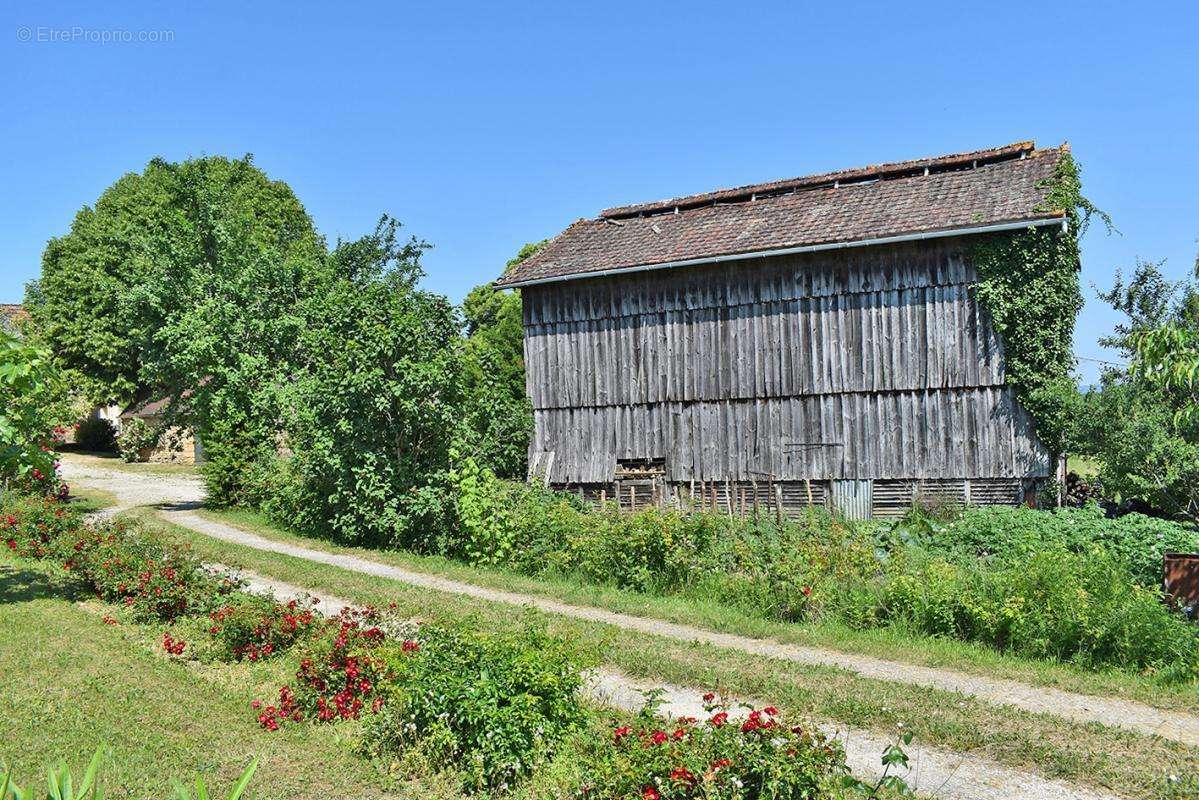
[30, 408]
[79, 302]
[1134, 541]
[497, 415]
[1069, 585]
[371, 418]
[1051, 604]
[96, 434]
[30, 525]
[187, 276]
[137, 436]
[253, 628]
[125, 564]
[220, 309]
[63, 786]
[1029, 286]
[1144, 425]
[201, 791]
[496, 706]
[758, 758]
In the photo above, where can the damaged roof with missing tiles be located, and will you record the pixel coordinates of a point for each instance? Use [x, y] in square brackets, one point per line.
[1001, 185]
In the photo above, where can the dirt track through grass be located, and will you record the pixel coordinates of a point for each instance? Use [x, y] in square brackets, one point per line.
[933, 772]
[132, 490]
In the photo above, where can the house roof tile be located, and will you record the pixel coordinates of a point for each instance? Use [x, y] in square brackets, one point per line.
[926, 196]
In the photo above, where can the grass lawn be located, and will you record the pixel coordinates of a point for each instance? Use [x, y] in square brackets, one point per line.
[890, 643]
[87, 501]
[114, 462]
[1088, 754]
[72, 683]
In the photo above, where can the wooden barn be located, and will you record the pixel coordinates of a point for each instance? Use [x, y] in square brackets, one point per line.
[807, 341]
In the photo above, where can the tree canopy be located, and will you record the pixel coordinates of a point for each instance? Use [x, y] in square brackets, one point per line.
[148, 256]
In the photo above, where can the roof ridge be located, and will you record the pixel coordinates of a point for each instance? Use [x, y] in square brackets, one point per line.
[889, 170]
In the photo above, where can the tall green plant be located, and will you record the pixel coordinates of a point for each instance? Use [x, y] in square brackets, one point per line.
[372, 415]
[497, 419]
[30, 392]
[1029, 285]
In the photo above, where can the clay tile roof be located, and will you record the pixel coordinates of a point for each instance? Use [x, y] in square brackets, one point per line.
[11, 314]
[929, 196]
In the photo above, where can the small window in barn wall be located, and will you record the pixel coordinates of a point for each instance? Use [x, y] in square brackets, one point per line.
[640, 468]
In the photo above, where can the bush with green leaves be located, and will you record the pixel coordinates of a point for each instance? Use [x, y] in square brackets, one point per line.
[783, 570]
[724, 756]
[1065, 585]
[130, 564]
[373, 414]
[31, 525]
[96, 434]
[1134, 541]
[123, 563]
[494, 705]
[31, 406]
[137, 437]
[250, 627]
[1050, 603]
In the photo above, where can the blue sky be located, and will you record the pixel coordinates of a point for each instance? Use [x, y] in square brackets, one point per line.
[483, 126]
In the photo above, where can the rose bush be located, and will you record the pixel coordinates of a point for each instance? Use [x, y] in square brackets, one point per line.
[754, 757]
[496, 706]
[252, 628]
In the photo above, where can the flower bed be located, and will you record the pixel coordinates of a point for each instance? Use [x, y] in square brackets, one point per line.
[338, 674]
[253, 628]
[488, 710]
[497, 706]
[758, 756]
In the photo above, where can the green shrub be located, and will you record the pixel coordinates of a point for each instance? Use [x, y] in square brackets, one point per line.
[339, 673]
[96, 434]
[137, 436]
[250, 627]
[495, 705]
[759, 758]
[1135, 541]
[1052, 604]
[30, 525]
[131, 565]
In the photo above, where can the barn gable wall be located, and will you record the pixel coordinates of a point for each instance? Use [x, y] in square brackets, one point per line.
[867, 363]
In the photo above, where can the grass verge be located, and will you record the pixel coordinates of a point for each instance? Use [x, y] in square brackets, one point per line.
[114, 462]
[1134, 765]
[894, 644]
[72, 684]
[88, 501]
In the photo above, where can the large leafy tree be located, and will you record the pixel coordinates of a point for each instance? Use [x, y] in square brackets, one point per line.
[371, 417]
[186, 281]
[77, 305]
[497, 418]
[220, 307]
[1143, 424]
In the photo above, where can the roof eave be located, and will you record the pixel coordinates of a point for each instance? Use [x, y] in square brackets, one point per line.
[1052, 218]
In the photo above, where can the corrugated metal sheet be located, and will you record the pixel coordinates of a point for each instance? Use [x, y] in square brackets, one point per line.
[854, 499]
[1180, 580]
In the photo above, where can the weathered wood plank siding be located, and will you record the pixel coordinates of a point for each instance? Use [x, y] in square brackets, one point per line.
[869, 363]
